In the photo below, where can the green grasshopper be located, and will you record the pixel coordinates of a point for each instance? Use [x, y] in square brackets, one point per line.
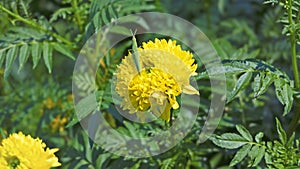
[135, 54]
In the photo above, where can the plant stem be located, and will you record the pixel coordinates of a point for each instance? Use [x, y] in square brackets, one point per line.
[34, 25]
[295, 119]
[293, 46]
[296, 114]
[76, 14]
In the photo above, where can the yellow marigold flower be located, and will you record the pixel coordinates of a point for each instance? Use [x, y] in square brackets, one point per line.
[24, 152]
[166, 72]
[58, 123]
[49, 103]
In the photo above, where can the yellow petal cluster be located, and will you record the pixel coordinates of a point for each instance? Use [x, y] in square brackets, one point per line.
[24, 152]
[166, 72]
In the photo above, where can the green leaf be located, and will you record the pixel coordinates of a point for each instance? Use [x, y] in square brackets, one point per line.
[288, 98]
[221, 5]
[111, 11]
[131, 129]
[36, 53]
[259, 136]
[290, 142]
[73, 121]
[256, 85]
[168, 163]
[101, 159]
[253, 154]
[281, 132]
[97, 21]
[2, 57]
[104, 17]
[120, 30]
[259, 156]
[240, 155]
[47, 55]
[244, 132]
[86, 106]
[10, 58]
[229, 140]
[254, 53]
[284, 93]
[253, 65]
[63, 50]
[129, 9]
[24, 54]
[265, 84]
[278, 89]
[240, 84]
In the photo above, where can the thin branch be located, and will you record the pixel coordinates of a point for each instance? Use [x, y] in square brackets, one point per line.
[34, 25]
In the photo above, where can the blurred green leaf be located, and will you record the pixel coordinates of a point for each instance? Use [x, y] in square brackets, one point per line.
[24, 54]
[47, 55]
[10, 58]
[63, 50]
[36, 53]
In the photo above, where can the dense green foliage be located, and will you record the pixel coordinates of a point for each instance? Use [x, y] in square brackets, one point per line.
[257, 41]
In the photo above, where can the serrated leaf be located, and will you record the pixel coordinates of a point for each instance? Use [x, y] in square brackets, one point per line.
[10, 58]
[63, 50]
[254, 64]
[23, 56]
[259, 136]
[36, 54]
[244, 132]
[253, 153]
[256, 85]
[281, 132]
[278, 89]
[229, 140]
[258, 158]
[240, 84]
[240, 155]
[266, 82]
[291, 140]
[288, 98]
[284, 93]
[268, 158]
[47, 55]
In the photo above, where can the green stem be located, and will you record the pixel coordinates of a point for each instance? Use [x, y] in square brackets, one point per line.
[293, 47]
[296, 114]
[295, 119]
[76, 14]
[34, 25]
[207, 10]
